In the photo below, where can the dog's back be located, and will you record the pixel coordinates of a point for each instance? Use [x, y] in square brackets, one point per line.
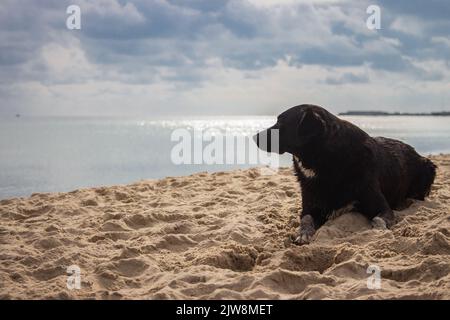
[424, 178]
[399, 162]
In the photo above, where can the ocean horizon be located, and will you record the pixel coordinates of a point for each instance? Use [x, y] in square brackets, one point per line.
[59, 154]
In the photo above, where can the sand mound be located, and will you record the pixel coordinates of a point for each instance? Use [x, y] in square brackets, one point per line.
[222, 236]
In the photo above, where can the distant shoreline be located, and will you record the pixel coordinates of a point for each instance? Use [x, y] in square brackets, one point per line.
[383, 113]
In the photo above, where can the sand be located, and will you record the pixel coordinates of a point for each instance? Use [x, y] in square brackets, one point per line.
[217, 236]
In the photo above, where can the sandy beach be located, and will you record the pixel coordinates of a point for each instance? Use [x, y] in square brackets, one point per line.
[217, 236]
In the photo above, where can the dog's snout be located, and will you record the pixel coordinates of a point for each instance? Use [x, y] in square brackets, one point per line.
[262, 141]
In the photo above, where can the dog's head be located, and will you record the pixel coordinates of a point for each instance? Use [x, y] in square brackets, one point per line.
[296, 127]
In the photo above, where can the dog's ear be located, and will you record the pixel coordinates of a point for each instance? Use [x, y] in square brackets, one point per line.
[311, 124]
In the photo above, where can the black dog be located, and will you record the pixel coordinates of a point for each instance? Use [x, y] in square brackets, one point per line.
[338, 165]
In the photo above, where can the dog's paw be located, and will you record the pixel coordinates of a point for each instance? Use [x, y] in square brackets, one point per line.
[303, 239]
[307, 230]
[379, 223]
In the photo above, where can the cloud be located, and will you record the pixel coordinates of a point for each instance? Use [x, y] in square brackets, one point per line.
[409, 25]
[347, 78]
[164, 51]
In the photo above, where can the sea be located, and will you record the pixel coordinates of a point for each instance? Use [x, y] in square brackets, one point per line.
[58, 154]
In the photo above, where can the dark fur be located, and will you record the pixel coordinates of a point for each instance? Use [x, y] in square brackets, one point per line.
[376, 174]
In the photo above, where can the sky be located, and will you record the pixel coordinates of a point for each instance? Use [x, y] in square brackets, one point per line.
[222, 57]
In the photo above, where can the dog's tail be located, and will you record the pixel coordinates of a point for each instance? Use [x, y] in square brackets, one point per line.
[421, 185]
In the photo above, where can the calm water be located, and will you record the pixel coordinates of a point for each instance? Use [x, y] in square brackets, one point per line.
[62, 154]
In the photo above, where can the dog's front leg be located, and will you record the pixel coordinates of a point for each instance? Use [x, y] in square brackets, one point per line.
[375, 207]
[308, 227]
